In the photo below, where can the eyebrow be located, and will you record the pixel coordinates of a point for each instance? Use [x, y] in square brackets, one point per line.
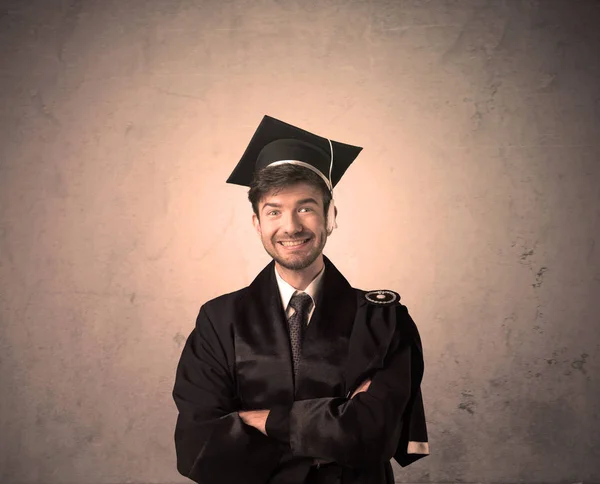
[300, 202]
[307, 200]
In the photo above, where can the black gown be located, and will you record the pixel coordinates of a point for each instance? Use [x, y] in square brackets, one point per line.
[238, 357]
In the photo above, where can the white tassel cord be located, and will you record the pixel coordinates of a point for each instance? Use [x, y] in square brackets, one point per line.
[331, 221]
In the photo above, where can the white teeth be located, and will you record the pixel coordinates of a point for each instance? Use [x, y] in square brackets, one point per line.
[294, 243]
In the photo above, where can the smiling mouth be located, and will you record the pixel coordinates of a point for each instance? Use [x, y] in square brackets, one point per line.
[293, 243]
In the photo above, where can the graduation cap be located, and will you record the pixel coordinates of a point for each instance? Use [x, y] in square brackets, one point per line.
[275, 143]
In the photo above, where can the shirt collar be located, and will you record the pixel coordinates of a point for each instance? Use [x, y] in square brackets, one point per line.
[287, 291]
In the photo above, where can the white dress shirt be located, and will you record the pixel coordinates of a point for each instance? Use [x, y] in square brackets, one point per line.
[287, 291]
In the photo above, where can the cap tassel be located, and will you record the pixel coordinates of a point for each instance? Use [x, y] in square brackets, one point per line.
[331, 222]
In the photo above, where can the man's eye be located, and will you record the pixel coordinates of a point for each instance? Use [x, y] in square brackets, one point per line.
[273, 212]
[306, 209]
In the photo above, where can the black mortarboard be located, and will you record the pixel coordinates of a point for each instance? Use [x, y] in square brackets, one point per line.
[277, 142]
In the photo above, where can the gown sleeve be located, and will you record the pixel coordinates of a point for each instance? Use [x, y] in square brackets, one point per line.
[370, 428]
[212, 443]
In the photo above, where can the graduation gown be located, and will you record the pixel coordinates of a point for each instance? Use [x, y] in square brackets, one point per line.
[238, 357]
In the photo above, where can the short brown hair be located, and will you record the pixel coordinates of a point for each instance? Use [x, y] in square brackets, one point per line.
[275, 178]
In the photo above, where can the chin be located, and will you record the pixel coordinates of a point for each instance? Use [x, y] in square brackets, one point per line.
[295, 263]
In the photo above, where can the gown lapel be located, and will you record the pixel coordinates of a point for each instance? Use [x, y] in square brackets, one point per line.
[262, 345]
[325, 346]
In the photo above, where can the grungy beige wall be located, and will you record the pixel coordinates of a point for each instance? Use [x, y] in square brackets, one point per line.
[477, 197]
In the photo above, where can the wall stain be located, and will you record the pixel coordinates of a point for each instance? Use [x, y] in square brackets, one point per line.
[538, 315]
[526, 254]
[539, 277]
[42, 108]
[179, 339]
[580, 364]
[507, 323]
[497, 382]
[526, 249]
[132, 297]
[67, 27]
[546, 81]
[468, 404]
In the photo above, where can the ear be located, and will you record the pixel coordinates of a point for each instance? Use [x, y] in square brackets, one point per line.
[331, 217]
[256, 223]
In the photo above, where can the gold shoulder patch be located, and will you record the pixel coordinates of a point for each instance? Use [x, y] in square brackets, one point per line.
[382, 297]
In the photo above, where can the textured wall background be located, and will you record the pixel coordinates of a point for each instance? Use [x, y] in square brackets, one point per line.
[477, 197]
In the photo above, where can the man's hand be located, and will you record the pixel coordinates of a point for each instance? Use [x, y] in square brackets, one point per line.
[255, 418]
[362, 388]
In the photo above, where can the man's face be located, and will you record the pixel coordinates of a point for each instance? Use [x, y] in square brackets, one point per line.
[292, 225]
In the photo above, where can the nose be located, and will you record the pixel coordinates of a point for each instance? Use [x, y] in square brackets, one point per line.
[291, 223]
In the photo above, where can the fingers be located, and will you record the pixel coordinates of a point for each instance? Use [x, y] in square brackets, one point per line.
[362, 388]
[358, 390]
[255, 418]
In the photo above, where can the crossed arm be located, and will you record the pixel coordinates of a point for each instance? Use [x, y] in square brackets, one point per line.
[361, 431]
[214, 439]
[258, 418]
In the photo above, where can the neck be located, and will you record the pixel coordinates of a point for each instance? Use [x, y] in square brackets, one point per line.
[302, 278]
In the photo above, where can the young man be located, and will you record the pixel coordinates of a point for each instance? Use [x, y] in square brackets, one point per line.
[298, 378]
